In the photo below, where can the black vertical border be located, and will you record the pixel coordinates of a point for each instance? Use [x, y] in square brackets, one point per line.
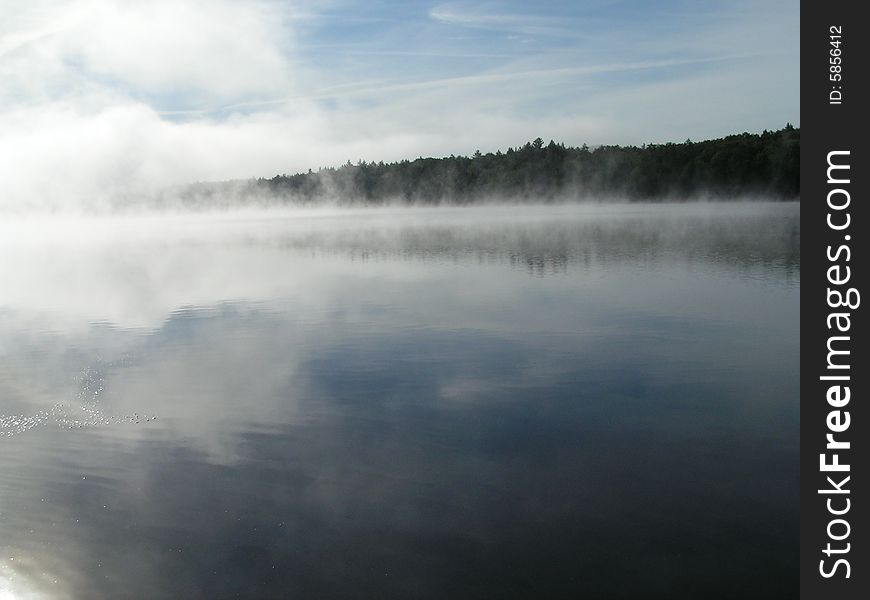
[826, 127]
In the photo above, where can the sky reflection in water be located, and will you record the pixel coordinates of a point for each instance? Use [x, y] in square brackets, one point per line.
[597, 401]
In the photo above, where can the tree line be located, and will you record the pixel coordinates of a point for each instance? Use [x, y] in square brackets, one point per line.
[765, 165]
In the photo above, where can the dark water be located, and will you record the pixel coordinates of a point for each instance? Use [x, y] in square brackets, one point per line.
[497, 403]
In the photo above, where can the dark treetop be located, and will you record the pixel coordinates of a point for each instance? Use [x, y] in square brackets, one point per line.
[744, 165]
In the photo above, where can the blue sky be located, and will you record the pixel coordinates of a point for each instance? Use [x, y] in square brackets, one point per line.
[113, 94]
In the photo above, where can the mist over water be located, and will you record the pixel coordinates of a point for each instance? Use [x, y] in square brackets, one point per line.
[596, 400]
[242, 354]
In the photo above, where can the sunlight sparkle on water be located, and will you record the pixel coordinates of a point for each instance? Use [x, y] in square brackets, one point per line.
[82, 413]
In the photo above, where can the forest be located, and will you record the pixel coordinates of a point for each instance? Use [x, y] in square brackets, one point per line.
[746, 165]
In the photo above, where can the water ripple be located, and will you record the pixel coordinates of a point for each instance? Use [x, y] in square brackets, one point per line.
[84, 412]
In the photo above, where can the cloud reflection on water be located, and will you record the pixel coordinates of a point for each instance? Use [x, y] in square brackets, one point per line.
[411, 405]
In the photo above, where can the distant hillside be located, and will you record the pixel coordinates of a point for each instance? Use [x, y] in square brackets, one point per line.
[743, 165]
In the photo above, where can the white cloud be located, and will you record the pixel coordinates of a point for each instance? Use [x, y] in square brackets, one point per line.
[527, 24]
[222, 50]
[216, 50]
[102, 99]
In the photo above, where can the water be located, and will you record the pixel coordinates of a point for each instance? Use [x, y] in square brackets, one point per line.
[444, 403]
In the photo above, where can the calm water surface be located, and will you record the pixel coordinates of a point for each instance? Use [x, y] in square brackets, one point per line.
[595, 402]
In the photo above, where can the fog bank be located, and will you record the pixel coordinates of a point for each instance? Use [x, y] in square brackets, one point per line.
[106, 102]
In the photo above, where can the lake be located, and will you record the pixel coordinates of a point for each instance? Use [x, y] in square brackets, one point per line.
[594, 401]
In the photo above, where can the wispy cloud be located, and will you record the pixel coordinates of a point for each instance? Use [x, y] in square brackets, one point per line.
[527, 24]
[381, 89]
[106, 99]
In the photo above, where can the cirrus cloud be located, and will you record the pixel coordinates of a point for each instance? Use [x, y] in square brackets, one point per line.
[103, 100]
